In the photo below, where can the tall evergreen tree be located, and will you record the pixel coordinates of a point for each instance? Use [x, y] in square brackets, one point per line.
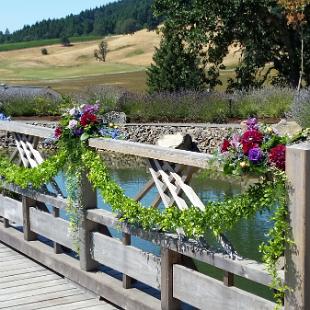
[174, 68]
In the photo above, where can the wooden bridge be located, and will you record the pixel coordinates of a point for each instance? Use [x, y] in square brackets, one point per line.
[123, 274]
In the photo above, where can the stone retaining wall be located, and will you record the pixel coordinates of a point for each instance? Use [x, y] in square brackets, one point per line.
[207, 136]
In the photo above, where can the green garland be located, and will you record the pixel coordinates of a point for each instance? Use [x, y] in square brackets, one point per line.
[218, 217]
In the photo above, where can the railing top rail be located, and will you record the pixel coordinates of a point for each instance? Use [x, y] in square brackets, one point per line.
[18, 127]
[200, 160]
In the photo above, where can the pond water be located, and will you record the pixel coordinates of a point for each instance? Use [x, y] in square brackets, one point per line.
[245, 237]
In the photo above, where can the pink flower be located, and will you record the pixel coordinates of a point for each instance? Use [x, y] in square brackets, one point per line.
[58, 132]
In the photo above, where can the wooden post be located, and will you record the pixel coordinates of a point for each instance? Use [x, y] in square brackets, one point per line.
[57, 247]
[5, 223]
[168, 259]
[26, 204]
[127, 281]
[228, 279]
[88, 201]
[297, 274]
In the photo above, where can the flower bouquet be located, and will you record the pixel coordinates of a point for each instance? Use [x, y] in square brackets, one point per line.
[84, 122]
[255, 151]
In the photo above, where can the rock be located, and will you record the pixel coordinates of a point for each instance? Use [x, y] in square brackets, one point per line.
[178, 141]
[285, 127]
[115, 118]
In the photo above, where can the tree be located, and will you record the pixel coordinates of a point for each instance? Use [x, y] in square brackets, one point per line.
[268, 43]
[102, 51]
[127, 26]
[44, 51]
[295, 14]
[174, 68]
[65, 41]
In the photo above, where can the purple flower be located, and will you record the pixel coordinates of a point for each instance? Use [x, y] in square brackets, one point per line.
[78, 132]
[90, 108]
[255, 155]
[252, 123]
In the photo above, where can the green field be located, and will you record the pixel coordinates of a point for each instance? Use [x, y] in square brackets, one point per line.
[39, 43]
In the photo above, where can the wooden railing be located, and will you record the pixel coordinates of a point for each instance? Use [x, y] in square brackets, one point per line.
[172, 273]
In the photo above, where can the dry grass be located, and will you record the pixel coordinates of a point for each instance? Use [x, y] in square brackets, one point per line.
[70, 68]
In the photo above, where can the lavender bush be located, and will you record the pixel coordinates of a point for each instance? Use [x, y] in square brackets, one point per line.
[264, 102]
[300, 110]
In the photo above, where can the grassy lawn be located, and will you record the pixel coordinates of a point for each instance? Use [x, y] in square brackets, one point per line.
[17, 71]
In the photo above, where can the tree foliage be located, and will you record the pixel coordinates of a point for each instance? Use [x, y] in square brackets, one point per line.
[269, 44]
[175, 68]
[102, 51]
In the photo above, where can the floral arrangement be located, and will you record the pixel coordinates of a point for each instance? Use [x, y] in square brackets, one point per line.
[257, 150]
[84, 122]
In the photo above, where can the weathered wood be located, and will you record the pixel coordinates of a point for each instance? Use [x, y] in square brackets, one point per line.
[29, 280]
[97, 282]
[229, 279]
[204, 292]
[246, 268]
[55, 229]
[153, 151]
[88, 200]
[55, 201]
[6, 223]
[128, 260]
[168, 259]
[127, 281]
[27, 203]
[11, 210]
[57, 247]
[297, 274]
[37, 131]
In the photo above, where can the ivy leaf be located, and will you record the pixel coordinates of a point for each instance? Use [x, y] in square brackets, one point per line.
[85, 136]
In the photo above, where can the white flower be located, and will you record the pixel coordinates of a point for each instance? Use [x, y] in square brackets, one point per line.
[72, 124]
[73, 112]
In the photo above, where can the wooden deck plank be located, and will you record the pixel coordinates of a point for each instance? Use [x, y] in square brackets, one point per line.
[16, 261]
[33, 287]
[38, 279]
[98, 307]
[58, 287]
[18, 277]
[28, 270]
[55, 303]
[73, 304]
[30, 301]
[12, 266]
[12, 258]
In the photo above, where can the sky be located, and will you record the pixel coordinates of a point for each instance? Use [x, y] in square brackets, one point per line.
[14, 14]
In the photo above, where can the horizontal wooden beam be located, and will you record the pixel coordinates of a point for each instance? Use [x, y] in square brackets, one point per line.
[36, 131]
[53, 228]
[11, 210]
[205, 292]
[245, 268]
[55, 201]
[129, 260]
[200, 160]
